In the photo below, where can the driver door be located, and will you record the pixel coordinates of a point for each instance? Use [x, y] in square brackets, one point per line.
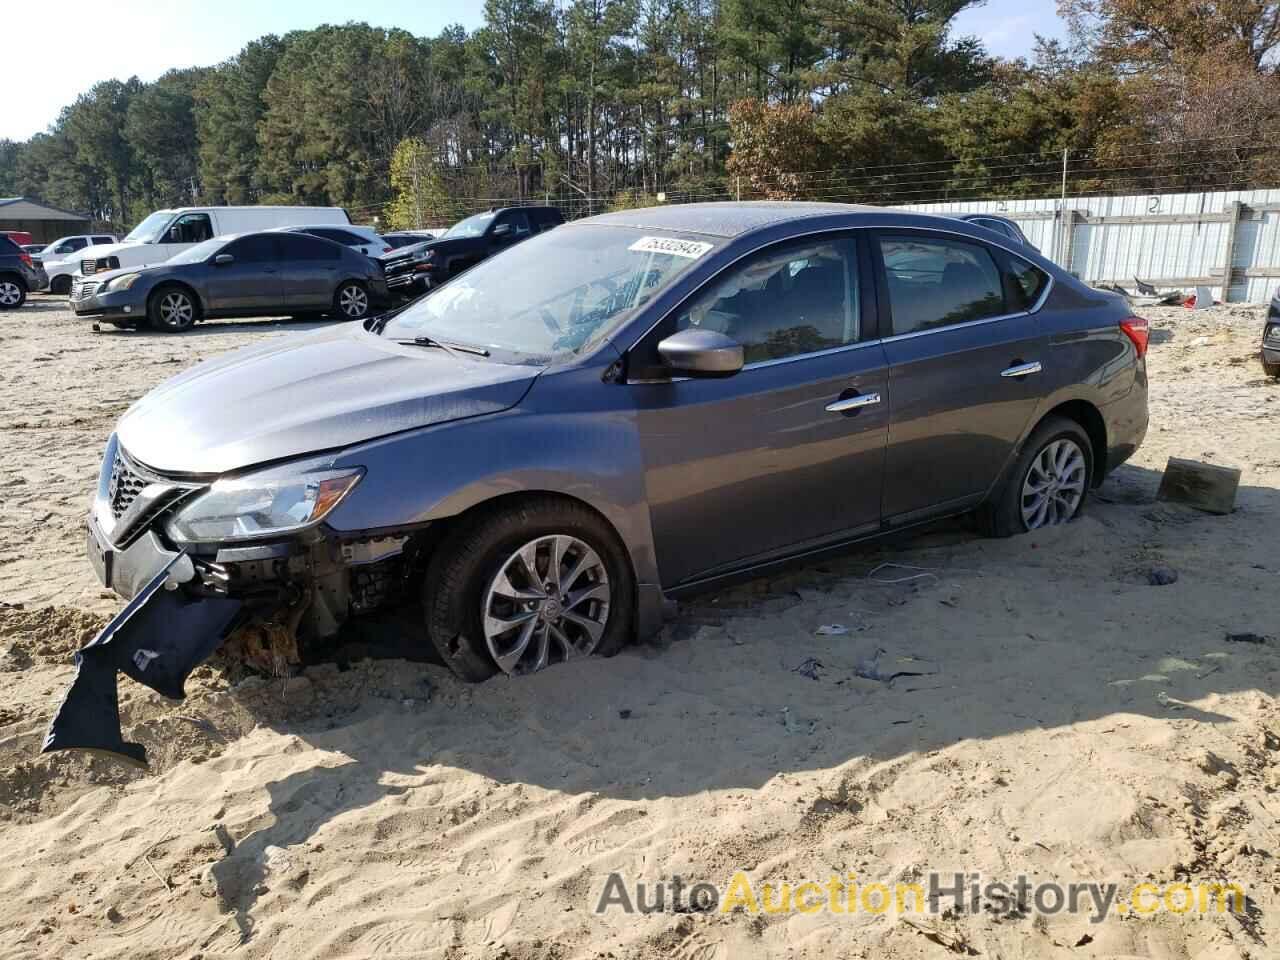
[251, 281]
[771, 461]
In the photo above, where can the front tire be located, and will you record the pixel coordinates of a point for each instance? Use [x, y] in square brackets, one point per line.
[13, 293]
[60, 285]
[534, 584]
[1048, 483]
[351, 301]
[172, 310]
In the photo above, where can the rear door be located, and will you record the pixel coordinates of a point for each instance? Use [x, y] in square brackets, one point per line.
[786, 455]
[309, 267]
[251, 282]
[964, 349]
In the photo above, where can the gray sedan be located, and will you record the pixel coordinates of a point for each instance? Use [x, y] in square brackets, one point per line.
[544, 452]
[252, 274]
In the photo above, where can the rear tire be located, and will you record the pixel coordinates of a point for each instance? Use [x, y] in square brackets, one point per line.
[464, 573]
[351, 301]
[13, 292]
[1066, 489]
[172, 309]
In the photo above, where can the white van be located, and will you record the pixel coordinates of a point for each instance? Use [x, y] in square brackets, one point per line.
[167, 232]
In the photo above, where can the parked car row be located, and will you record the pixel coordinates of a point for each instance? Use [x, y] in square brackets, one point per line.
[251, 274]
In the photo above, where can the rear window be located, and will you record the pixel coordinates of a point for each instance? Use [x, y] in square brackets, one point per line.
[8, 246]
[935, 282]
[1026, 284]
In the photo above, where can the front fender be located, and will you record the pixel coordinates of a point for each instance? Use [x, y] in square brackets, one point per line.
[573, 435]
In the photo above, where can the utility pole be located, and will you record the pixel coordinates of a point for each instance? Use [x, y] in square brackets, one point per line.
[1062, 209]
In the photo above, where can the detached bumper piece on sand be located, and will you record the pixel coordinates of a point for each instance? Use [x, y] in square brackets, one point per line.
[157, 640]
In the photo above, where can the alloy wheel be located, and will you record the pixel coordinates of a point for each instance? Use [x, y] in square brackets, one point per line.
[176, 310]
[548, 602]
[353, 301]
[1054, 486]
[10, 294]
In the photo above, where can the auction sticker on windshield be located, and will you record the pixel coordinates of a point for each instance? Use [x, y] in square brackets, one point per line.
[691, 249]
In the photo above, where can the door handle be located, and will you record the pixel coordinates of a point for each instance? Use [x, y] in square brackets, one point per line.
[1022, 369]
[854, 403]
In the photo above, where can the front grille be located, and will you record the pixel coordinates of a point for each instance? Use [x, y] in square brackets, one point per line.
[84, 289]
[123, 487]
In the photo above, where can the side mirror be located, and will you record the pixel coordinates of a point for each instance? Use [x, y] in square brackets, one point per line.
[222, 259]
[502, 230]
[701, 353]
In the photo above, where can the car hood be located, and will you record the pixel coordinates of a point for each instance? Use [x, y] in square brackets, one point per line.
[308, 393]
[106, 276]
[100, 250]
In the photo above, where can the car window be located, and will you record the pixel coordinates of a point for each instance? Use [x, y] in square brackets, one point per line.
[8, 246]
[934, 282]
[519, 223]
[1026, 284]
[783, 302]
[299, 246]
[189, 228]
[103, 240]
[256, 248]
[337, 236]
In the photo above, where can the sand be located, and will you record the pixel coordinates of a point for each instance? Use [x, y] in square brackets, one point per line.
[1067, 720]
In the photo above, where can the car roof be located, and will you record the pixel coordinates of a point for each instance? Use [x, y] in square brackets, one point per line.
[726, 219]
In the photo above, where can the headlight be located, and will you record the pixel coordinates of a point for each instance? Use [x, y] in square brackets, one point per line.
[124, 282]
[1273, 333]
[262, 504]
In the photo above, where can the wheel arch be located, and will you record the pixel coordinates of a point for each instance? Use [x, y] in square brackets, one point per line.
[181, 285]
[1091, 420]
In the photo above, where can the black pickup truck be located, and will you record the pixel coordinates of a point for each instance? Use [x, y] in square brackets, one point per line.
[415, 269]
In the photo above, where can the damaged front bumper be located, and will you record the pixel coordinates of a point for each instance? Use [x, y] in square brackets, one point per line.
[157, 640]
[186, 601]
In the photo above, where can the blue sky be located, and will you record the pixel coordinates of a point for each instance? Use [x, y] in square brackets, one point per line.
[146, 37]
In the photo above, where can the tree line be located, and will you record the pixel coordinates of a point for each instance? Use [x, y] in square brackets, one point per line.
[594, 103]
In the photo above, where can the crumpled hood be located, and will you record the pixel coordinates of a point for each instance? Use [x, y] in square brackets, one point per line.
[306, 393]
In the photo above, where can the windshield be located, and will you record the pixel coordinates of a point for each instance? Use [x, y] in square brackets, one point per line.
[472, 226]
[200, 252]
[150, 229]
[553, 293]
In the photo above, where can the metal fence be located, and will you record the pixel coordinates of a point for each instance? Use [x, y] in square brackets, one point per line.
[1227, 241]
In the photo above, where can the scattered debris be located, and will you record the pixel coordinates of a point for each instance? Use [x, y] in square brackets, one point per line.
[1200, 485]
[809, 668]
[624, 714]
[925, 573]
[1162, 576]
[868, 668]
[831, 630]
[953, 940]
[1256, 638]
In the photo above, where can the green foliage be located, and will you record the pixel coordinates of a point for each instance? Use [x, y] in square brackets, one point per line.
[420, 196]
[599, 103]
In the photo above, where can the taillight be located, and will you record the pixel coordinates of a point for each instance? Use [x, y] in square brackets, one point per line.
[1139, 331]
[26, 258]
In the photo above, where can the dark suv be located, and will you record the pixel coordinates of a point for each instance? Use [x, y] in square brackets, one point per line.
[420, 267]
[18, 274]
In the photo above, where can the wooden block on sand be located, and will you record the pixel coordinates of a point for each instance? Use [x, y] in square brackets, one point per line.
[1200, 485]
